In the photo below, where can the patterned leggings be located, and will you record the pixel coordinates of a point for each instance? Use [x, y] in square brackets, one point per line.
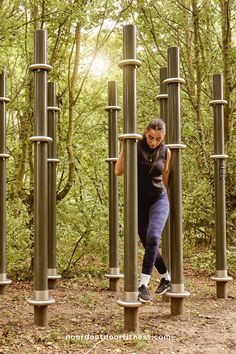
[152, 217]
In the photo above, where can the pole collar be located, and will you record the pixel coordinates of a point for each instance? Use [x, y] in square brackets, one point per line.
[52, 271]
[52, 274]
[180, 295]
[51, 108]
[4, 280]
[112, 108]
[39, 67]
[4, 99]
[215, 102]
[41, 298]
[111, 159]
[161, 96]
[45, 139]
[176, 146]
[222, 279]
[174, 80]
[129, 304]
[41, 302]
[125, 62]
[114, 276]
[4, 156]
[220, 156]
[130, 136]
[53, 160]
[54, 277]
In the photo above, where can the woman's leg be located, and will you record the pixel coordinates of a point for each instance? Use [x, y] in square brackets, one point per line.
[160, 264]
[143, 214]
[142, 225]
[158, 214]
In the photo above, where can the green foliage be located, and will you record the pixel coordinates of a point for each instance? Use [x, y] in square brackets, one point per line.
[19, 241]
[203, 259]
[82, 214]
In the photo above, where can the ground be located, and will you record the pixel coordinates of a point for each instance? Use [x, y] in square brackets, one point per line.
[86, 319]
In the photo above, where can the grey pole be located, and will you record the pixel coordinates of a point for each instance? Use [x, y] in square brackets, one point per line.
[219, 157]
[163, 99]
[41, 298]
[112, 109]
[129, 65]
[52, 192]
[4, 281]
[177, 292]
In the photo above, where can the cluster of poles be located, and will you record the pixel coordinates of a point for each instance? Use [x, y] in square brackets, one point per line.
[172, 244]
[45, 160]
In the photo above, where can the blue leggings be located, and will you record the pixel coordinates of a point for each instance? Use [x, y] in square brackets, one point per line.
[152, 216]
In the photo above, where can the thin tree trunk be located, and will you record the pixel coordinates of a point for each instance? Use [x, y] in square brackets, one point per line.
[201, 151]
[226, 51]
[73, 80]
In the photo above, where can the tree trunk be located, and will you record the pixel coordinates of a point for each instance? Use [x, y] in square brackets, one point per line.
[72, 82]
[201, 150]
[227, 65]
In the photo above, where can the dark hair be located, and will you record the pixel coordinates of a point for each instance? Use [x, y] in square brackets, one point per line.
[156, 124]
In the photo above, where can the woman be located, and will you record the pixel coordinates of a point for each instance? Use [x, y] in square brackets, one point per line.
[153, 203]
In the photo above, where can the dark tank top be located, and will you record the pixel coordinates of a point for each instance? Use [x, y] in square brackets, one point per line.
[150, 169]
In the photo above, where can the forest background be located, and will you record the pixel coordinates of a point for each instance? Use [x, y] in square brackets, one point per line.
[84, 48]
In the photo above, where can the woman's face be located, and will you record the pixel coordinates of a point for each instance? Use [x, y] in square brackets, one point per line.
[154, 137]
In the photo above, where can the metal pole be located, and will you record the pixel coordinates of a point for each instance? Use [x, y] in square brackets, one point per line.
[219, 156]
[129, 65]
[177, 293]
[52, 192]
[41, 298]
[3, 156]
[163, 99]
[112, 109]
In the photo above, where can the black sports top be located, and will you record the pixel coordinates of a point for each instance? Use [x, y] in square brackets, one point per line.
[150, 169]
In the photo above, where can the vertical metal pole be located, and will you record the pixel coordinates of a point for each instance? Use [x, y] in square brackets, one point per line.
[219, 156]
[41, 298]
[3, 156]
[52, 192]
[177, 292]
[112, 109]
[163, 99]
[129, 65]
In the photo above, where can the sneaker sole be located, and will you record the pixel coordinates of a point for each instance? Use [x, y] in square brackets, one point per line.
[164, 291]
[144, 301]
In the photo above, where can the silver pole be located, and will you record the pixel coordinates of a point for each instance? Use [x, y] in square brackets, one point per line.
[112, 109]
[221, 277]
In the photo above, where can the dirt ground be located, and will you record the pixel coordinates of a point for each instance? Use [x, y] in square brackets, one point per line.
[86, 319]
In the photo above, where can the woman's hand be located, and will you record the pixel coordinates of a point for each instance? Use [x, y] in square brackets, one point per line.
[166, 169]
[119, 166]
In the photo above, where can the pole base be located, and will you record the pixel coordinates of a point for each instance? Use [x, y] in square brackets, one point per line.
[114, 279]
[2, 289]
[41, 316]
[177, 306]
[52, 284]
[114, 284]
[52, 278]
[3, 285]
[131, 323]
[221, 290]
[165, 298]
[221, 284]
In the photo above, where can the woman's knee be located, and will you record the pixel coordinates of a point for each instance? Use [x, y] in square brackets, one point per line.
[152, 240]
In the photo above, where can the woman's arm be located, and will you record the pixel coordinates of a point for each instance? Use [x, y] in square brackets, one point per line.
[166, 169]
[119, 166]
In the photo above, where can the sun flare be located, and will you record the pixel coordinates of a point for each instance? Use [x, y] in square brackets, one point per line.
[99, 66]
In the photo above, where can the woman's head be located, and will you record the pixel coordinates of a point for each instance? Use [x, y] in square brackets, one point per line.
[155, 132]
